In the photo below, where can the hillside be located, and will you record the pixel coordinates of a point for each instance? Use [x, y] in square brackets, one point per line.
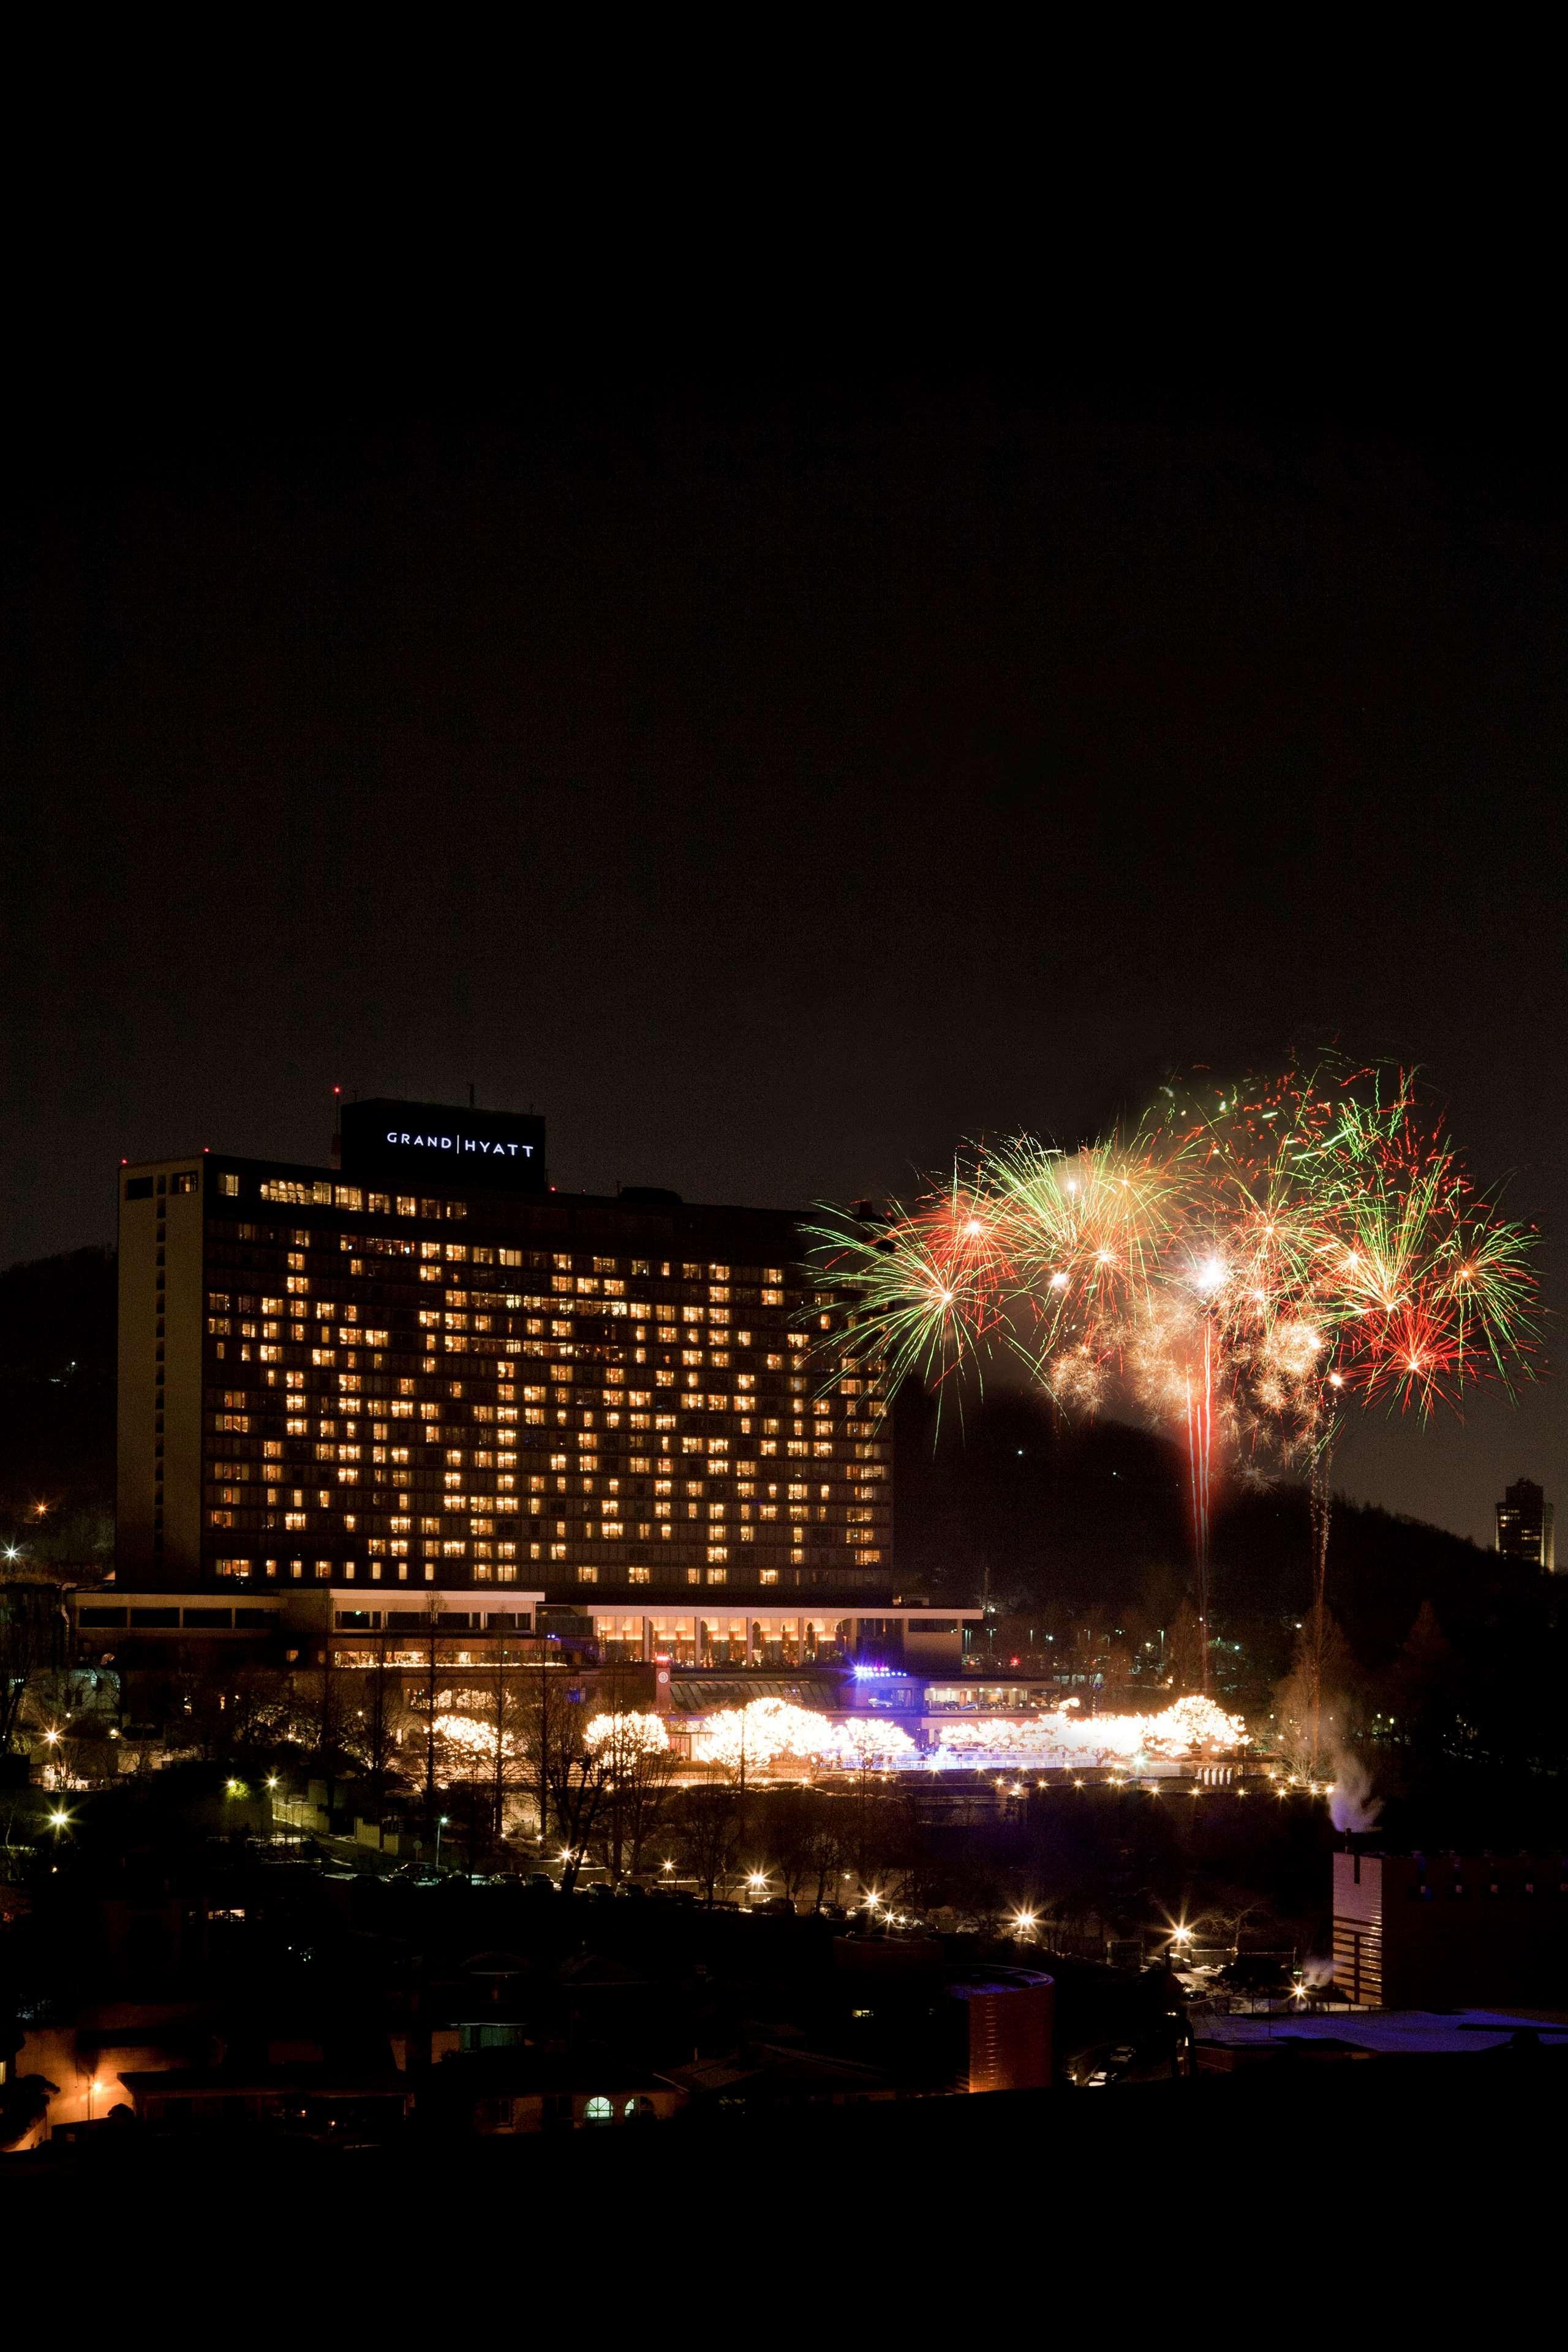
[57, 1403]
[1090, 1518]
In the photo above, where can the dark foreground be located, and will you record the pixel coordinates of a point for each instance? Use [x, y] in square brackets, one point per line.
[1371, 2134]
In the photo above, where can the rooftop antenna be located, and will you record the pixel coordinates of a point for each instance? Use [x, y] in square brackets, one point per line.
[337, 1127]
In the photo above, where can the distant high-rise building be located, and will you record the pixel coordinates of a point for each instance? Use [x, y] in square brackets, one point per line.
[1524, 1518]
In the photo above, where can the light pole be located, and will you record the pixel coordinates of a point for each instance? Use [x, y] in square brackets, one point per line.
[440, 1825]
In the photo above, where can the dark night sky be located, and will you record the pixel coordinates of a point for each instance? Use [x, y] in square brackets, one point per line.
[775, 783]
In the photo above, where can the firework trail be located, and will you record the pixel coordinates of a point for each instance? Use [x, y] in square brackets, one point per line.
[1200, 1475]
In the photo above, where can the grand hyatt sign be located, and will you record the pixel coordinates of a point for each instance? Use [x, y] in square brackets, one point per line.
[457, 1143]
[435, 1142]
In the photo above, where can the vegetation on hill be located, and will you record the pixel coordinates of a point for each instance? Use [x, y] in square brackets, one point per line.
[57, 1407]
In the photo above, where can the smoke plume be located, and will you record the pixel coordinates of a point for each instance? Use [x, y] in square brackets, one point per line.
[1352, 1805]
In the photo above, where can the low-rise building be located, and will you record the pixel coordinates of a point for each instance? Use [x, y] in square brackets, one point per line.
[1435, 1930]
[1009, 2017]
[320, 2101]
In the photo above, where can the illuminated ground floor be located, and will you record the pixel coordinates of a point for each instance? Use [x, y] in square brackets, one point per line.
[752, 1634]
[470, 1630]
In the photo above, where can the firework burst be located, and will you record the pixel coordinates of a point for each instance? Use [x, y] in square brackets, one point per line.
[1086, 1232]
[1247, 1264]
[930, 1282]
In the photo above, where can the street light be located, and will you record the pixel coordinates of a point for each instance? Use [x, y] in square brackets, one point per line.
[59, 1819]
[440, 1824]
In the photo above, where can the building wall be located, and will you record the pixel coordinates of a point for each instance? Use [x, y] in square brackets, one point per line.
[1444, 1930]
[158, 1531]
[1358, 1928]
[1009, 2034]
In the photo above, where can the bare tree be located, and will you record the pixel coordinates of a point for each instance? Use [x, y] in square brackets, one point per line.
[1185, 1650]
[872, 1821]
[639, 1768]
[539, 1711]
[571, 1772]
[432, 1627]
[708, 1821]
[1313, 1714]
[500, 1728]
[802, 1827]
[259, 1701]
[373, 1732]
[825, 1848]
[647, 1799]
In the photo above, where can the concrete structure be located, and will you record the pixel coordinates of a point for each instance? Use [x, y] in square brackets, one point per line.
[1416, 1930]
[296, 1625]
[304, 1627]
[1009, 2019]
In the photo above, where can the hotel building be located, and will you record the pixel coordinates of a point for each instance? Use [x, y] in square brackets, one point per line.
[422, 1375]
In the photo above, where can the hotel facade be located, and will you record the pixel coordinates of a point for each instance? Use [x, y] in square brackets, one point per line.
[422, 1377]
